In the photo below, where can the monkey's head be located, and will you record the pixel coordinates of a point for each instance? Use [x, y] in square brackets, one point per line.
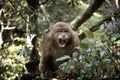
[62, 34]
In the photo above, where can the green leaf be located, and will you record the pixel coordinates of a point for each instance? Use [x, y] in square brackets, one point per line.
[84, 45]
[63, 58]
[115, 36]
[65, 66]
[102, 53]
[75, 55]
[89, 34]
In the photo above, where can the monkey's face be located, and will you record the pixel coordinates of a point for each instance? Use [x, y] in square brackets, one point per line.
[62, 37]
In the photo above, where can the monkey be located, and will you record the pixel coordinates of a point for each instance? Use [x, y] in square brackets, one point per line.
[60, 40]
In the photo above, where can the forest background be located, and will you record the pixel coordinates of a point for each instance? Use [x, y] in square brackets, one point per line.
[24, 23]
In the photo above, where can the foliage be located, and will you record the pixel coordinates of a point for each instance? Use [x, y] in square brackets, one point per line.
[12, 64]
[101, 60]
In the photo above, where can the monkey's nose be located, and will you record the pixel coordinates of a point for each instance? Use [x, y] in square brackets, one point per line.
[63, 36]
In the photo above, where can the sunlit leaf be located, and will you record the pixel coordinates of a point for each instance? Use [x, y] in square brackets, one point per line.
[63, 58]
[75, 55]
[89, 34]
[102, 53]
[65, 66]
[84, 45]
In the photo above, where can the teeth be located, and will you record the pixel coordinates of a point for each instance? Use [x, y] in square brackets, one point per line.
[61, 43]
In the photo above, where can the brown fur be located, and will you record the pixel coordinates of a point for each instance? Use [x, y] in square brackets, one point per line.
[51, 49]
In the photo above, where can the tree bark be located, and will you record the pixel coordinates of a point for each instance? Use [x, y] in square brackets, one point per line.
[78, 21]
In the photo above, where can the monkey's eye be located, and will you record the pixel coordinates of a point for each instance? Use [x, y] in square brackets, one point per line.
[66, 30]
[59, 30]
[63, 30]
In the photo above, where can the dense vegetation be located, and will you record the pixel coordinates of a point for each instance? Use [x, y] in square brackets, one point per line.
[24, 23]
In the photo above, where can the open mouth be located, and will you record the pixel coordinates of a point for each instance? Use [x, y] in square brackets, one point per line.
[62, 42]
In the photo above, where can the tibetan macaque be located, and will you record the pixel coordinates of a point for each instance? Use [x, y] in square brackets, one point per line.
[60, 40]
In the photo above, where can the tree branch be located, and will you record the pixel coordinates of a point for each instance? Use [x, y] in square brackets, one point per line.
[97, 26]
[44, 11]
[43, 2]
[78, 21]
[93, 28]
